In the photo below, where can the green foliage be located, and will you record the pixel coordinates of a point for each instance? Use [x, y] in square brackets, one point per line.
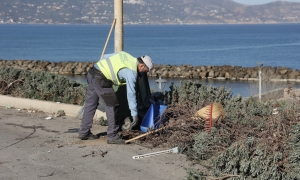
[204, 142]
[194, 175]
[103, 121]
[250, 142]
[245, 110]
[195, 95]
[240, 158]
[234, 107]
[41, 85]
[294, 155]
[257, 148]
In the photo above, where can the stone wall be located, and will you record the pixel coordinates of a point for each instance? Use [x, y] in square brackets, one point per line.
[227, 72]
[53, 67]
[224, 72]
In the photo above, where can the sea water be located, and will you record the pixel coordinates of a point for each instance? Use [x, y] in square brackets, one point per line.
[237, 45]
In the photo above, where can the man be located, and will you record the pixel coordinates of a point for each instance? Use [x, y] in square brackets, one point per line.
[119, 68]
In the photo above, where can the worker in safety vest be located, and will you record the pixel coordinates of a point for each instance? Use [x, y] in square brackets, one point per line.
[119, 69]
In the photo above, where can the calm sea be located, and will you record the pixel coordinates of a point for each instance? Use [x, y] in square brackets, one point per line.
[238, 45]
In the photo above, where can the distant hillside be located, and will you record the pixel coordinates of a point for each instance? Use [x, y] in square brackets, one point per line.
[146, 12]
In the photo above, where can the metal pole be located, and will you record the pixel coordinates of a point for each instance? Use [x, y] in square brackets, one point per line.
[259, 84]
[259, 75]
[118, 12]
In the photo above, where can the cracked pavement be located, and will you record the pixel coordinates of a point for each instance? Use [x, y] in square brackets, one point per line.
[33, 147]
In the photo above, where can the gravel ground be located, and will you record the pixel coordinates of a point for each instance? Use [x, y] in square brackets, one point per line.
[33, 147]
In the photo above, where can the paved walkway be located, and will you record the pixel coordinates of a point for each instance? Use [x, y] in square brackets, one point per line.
[33, 147]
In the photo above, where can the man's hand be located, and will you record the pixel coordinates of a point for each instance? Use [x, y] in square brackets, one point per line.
[135, 120]
[127, 124]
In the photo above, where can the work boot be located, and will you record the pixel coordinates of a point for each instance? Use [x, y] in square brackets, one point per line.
[89, 136]
[116, 141]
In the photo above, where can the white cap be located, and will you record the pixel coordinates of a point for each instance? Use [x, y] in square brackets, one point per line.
[148, 61]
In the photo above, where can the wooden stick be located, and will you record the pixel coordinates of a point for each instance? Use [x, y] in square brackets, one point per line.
[112, 26]
[143, 135]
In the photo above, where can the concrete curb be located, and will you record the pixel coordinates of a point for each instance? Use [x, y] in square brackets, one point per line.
[45, 106]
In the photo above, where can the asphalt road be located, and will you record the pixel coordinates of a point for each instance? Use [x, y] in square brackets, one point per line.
[32, 147]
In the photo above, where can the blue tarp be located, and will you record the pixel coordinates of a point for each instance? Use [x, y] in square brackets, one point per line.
[154, 117]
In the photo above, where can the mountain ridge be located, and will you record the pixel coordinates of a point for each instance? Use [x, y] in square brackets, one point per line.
[147, 12]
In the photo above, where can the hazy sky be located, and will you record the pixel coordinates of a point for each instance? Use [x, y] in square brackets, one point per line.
[252, 2]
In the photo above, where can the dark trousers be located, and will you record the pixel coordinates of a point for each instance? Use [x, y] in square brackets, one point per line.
[108, 97]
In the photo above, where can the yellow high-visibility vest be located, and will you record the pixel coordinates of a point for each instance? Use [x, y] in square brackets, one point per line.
[112, 65]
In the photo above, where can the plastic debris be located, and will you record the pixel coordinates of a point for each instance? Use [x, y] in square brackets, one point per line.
[275, 111]
[173, 150]
[60, 113]
[48, 118]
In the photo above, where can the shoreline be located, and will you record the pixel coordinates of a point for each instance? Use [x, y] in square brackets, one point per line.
[224, 72]
[162, 24]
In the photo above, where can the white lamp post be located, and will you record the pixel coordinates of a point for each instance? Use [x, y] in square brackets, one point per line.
[259, 76]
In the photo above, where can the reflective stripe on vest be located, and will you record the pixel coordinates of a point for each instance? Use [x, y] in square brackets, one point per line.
[114, 78]
[112, 65]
